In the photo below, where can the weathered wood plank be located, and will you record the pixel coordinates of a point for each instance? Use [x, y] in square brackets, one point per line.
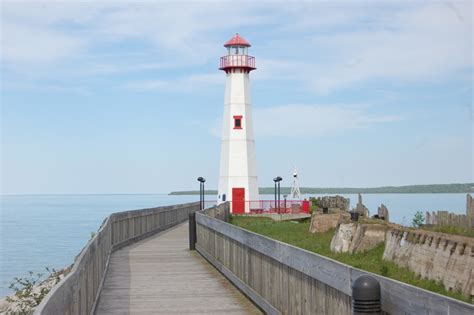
[331, 280]
[78, 292]
[160, 275]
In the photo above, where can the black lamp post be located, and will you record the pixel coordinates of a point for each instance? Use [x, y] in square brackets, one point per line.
[277, 180]
[201, 181]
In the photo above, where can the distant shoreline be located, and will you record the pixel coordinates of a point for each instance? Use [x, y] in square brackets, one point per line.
[118, 194]
[410, 189]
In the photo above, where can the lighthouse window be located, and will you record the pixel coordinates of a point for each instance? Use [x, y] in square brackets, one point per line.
[236, 50]
[237, 122]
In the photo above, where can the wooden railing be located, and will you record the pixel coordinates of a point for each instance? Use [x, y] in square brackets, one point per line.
[281, 278]
[78, 292]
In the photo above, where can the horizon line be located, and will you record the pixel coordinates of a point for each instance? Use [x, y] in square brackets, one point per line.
[85, 194]
[210, 189]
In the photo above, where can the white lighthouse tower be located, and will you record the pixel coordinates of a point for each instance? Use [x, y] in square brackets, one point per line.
[238, 170]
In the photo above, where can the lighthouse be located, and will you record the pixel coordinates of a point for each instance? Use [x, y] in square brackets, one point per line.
[238, 169]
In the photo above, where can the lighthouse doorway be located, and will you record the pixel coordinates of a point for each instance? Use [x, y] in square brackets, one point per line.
[238, 200]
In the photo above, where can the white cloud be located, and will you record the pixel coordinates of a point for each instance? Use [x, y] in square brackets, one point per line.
[423, 44]
[50, 87]
[315, 120]
[111, 68]
[296, 120]
[281, 69]
[205, 79]
[46, 31]
[29, 46]
[324, 46]
[181, 84]
[328, 47]
[146, 85]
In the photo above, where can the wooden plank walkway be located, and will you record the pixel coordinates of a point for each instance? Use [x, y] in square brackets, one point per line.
[160, 275]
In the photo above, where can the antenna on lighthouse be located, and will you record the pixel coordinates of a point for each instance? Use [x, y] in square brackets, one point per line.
[295, 187]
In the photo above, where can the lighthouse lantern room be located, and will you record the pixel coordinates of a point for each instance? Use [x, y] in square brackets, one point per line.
[238, 170]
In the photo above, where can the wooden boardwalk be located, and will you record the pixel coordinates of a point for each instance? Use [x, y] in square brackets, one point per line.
[160, 275]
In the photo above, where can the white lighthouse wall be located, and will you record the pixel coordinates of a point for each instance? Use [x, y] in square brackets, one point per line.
[238, 167]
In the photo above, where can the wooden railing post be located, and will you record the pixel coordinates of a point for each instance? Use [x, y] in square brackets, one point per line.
[192, 231]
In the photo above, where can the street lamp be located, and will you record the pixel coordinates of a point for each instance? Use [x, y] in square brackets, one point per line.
[201, 181]
[277, 180]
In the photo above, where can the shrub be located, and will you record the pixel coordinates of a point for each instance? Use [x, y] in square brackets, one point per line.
[418, 219]
[28, 291]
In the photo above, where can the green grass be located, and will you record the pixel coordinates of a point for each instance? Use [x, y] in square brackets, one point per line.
[297, 234]
[455, 230]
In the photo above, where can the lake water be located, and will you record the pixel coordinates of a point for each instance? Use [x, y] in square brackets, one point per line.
[50, 230]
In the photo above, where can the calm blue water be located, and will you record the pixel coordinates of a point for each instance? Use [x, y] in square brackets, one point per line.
[40, 231]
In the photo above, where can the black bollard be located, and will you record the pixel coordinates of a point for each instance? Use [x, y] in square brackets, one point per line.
[192, 231]
[366, 296]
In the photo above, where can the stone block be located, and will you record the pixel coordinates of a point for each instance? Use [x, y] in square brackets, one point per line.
[361, 208]
[354, 238]
[324, 222]
[341, 242]
[436, 256]
[367, 236]
[382, 213]
[470, 210]
[334, 203]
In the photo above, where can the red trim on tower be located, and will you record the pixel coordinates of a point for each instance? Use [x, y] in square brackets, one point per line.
[237, 122]
[237, 40]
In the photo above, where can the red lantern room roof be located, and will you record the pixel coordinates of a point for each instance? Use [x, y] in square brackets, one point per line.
[237, 40]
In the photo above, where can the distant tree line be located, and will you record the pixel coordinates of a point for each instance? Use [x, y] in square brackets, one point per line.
[411, 189]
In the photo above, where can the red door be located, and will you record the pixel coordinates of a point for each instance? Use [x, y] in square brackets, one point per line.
[238, 200]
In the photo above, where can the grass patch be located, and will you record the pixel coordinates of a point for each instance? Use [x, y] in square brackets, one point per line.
[455, 230]
[297, 234]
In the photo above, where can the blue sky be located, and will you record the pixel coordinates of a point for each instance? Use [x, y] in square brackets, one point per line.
[106, 97]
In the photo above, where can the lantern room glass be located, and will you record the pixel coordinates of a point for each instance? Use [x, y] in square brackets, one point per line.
[237, 50]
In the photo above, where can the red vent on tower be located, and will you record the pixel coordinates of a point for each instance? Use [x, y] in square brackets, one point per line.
[237, 40]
